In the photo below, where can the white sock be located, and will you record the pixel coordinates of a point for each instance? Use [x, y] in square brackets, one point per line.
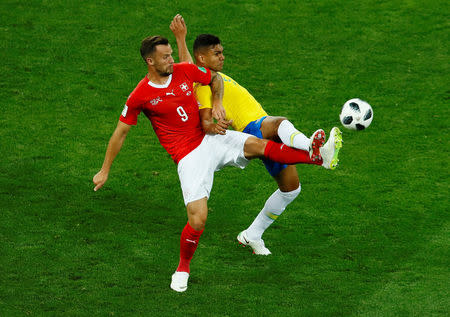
[290, 136]
[273, 208]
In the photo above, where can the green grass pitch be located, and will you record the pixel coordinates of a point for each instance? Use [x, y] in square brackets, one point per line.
[368, 239]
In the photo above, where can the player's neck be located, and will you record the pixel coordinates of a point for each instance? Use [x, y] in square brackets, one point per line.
[200, 64]
[157, 78]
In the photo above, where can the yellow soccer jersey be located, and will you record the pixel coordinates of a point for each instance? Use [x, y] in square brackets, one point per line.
[239, 104]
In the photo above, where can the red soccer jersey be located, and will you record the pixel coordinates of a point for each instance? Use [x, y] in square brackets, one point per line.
[171, 108]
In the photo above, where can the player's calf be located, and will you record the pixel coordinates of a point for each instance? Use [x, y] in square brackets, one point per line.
[277, 152]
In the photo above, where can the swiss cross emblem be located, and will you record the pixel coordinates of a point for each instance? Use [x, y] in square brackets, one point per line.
[155, 101]
[184, 87]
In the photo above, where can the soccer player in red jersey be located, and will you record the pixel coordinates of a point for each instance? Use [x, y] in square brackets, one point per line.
[165, 96]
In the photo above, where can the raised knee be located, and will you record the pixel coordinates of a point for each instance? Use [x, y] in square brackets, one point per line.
[280, 119]
[254, 147]
[198, 223]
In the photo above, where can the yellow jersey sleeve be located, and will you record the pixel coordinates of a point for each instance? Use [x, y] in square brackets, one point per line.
[240, 106]
[203, 95]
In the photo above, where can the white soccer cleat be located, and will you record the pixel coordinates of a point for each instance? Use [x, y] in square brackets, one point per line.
[258, 246]
[317, 140]
[179, 281]
[330, 150]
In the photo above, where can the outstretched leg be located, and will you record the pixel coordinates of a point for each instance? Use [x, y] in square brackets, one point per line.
[281, 129]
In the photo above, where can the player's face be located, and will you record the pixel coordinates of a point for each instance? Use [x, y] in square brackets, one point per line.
[162, 60]
[213, 58]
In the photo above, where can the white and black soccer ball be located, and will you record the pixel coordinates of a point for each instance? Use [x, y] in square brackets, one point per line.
[356, 114]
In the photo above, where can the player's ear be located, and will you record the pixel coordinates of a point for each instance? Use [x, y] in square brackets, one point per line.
[149, 60]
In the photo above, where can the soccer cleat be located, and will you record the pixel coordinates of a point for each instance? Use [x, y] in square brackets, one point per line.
[317, 141]
[330, 150]
[258, 246]
[179, 281]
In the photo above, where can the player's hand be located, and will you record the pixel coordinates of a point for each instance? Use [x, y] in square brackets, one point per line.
[178, 27]
[99, 179]
[218, 112]
[221, 126]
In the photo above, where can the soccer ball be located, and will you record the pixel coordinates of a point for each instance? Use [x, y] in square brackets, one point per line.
[356, 114]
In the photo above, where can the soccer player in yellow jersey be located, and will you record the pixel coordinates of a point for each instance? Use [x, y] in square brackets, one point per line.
[245, 114]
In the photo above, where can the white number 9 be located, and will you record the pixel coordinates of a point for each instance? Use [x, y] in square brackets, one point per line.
[182, 113]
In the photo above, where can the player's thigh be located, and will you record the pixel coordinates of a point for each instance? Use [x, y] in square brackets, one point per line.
[229, 149]
[197, 212]
[269, 127]
[196, 173]
[287, 179]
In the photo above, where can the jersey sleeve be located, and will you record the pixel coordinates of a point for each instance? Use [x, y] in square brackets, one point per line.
[204, 96]
[131, 110]
[197, 74]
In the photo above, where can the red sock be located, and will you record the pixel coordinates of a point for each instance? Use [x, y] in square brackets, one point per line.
[188, 245]
[282, 153]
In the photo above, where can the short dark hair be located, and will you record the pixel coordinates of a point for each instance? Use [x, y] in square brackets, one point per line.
[205, 40]
[148, 45]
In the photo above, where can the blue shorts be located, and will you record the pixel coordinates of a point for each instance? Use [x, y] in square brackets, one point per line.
[254, 128]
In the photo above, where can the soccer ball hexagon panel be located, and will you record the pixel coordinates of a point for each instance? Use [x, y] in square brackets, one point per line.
[356, 114]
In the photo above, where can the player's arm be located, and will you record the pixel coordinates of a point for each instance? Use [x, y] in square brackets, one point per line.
[114, 146]
[208, 124]
[217, 89]
[179, 29]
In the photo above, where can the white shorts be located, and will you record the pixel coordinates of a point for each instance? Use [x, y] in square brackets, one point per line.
[196, 170]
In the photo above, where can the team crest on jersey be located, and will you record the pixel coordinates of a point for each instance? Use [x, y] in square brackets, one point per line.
[184, 86]
[155, 101]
